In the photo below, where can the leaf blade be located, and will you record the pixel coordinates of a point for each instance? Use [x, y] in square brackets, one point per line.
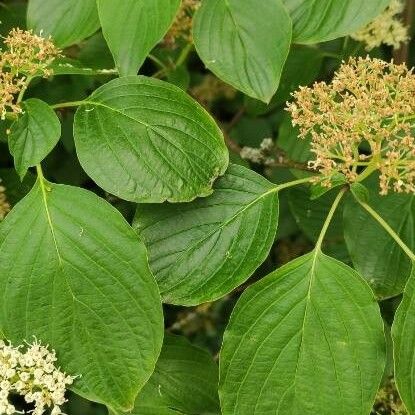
[184, 381]
[317, 21]
[68, 22]
[282, 327]
[403, 345]
[385, 266]
[133, 145]
[34, 135]
[62, 291]
[202, 250]
[119, 25]
[233, 43]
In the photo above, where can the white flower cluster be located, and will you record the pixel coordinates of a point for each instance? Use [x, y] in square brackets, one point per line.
[386, 29]
[33, 375]
[261, 155]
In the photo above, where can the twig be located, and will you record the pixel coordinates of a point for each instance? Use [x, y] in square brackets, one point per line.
[231, 144]
[235, 119]
[281, 160]
[402, 54]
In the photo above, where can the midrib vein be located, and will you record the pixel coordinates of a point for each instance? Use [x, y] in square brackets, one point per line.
[49, 218]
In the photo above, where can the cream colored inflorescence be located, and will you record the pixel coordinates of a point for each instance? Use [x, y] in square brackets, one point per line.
[387, 28]
[30, 371]
[181, 28]
[4, 204]
[364, 118]
[25, 54]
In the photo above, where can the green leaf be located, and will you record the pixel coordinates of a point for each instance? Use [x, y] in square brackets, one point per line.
[302, 68]
[74, 274]
[317, 190]
[307, 339]
[318, 21]
[34, 135]
[202, 250]
[360, 191]
[296, 148]
[385, 266]
[245, 43]
[145, 140]
[67, 66]
[68, 21]
[185, 381]
[132, 28]
[403, 335]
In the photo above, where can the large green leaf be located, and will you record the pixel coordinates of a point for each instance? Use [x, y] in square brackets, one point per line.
[385, 265]
[145, 140]
[306, 340]
[68, 21]
[34, 135]
[67, 66]
[133, 27]
[185, 381]
[403, 335]
[321, 20]
[244, 42]
[202, 250]
[74, 274]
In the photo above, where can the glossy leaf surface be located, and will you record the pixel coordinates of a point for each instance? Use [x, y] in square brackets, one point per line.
[306, 339]
[202, 250]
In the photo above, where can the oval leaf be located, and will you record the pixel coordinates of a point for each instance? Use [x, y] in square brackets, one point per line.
[403, 335]
[202, 250]
[319, 21]
[132, 28]
[305, 340]
[185, 381]
[68, 21]
[385, 266]
[74, 274]
[34, 135]
[234, 42]
[145, 140]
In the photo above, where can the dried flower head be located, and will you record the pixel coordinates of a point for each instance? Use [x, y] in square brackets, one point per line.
[387, 28]
[369, 102]
[212, 88]
[10, 86]
[28, 53]
[25, 54]
[181, 28]
[32, 374]
[4, 204]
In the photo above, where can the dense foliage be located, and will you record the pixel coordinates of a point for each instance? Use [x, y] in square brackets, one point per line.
[207, 207]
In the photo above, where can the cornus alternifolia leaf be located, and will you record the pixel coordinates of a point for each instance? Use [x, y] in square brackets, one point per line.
[388, 28]
[30, 371]
[369, 102]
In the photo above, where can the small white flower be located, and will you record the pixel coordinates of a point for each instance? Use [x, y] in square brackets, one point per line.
[33, 375]
[386, 29]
